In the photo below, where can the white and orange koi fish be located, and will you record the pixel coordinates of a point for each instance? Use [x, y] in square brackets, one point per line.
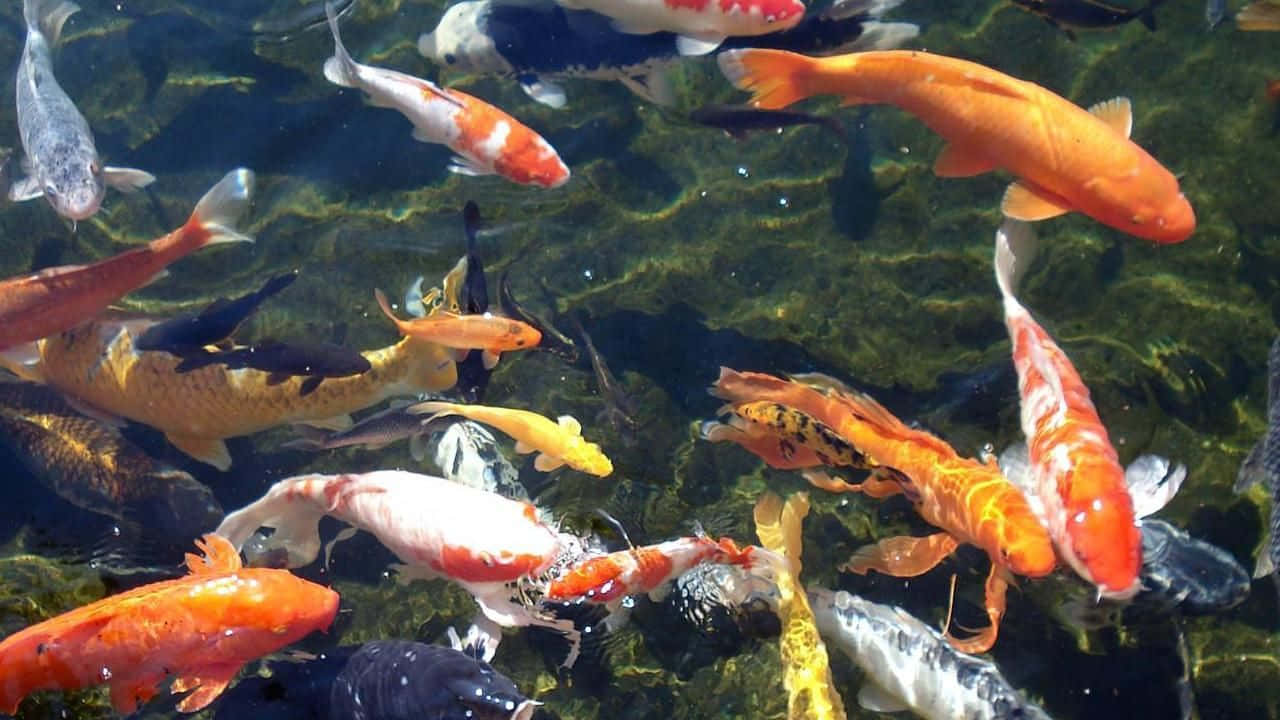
[701, 25]
[487, 140]
[1077, 475]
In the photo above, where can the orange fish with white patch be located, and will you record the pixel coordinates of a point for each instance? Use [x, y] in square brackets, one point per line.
[201, 629]
[487, 140]
[1066, 158]
[492, 334]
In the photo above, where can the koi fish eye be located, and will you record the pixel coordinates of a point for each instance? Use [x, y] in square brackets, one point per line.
[50, 191]
[95, 167]
[450, 58]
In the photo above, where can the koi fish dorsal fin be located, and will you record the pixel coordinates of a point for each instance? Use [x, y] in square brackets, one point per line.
[220, 556]
[1023, 201]
[569, 424]
[1116, 113]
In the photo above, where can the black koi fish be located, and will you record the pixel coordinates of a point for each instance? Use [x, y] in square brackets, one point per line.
[190, 334]
[314, 361]
[1071, 15]
[740, 120]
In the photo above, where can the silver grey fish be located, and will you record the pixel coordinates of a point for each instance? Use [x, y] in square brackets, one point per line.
[910, 666]
[468, 454]
[61, 161]
[1215, 11]
[372, 433]
[1193, 575]
[1263, 464]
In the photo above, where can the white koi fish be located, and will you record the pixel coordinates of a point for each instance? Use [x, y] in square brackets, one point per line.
[61, 161]
[700, 24]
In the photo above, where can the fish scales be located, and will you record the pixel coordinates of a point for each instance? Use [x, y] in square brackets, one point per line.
[914, 664]
[97, 364]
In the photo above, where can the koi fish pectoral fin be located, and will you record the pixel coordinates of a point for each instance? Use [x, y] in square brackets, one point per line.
[1117, 113]
[208, 683]
[463, 166]
[955, 161]
[489, 359]
[211, 451]
[902, 556]
[543, 91]
[406, 574]
[126, 179]
[1026, 202]
[994, 599]
[546, 463]
[127, 692]
[27, 188]
[689, 45]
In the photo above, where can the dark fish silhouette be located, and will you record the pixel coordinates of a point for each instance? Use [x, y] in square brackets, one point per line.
[1263, 464]
[383, 680]
[314, 361]
[553, 341]
[473, 299]
[374, 432]
[741, 120]
[1193, 575]
[1071, 15]
[93, 467]
[619, 410]
[190, 334]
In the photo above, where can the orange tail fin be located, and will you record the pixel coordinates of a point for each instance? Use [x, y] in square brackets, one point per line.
[216, 215]
[775, 78]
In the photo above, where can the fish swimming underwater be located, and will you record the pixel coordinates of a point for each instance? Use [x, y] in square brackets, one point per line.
[61, 161]
[487, 140]
[540, 43]
[557, 443]
[281, 361]
[200, 629]
[969, 501]
[619, 410]
[492, 334]
[553, 341]
[1263, 465]
[93, 467]
[190, 334]
[1065, 158]
[1078, 478]
[1259, 15]
[59, 298]
[197, 411]
[725, 603]
[467, 453]
[701, 25]
[910, 666]
[1071, 15]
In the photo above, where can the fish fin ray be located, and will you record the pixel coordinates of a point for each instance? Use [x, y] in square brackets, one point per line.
[876, 699]
[1117, 113]
[26, 188]
[655, 86]
[211, 451]
[1023, 201]
[208, 684]
[774, 77]
[489, 359]
[696, 45]
[1251, 471]
[546, 463]
[218, 555]
[464, 166]
[544, 91]
[1152, 482]
[569, 424]
[223, 206]
[126, 179]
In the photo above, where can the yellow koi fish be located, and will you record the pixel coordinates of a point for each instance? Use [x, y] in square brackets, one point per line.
[807, 674]
[97, 365]
[557, 443]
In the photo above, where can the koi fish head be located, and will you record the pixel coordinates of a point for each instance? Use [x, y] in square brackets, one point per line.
[527, 158]
[1024, 546]
[520, 335]
[1106, 544]
[1147, 203]
[268, 610]
[73, 185]
[460, 41]
[587, 457]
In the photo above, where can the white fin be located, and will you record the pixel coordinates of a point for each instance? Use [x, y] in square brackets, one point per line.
[1264, 566]
[877, 36]
[423, 136]
[654, 86]
[345, 534]
[1251, 472]
[1117, 113]
[26, 188]
[689, 46]
[546, 463]
[1015, 465]
[524, 448]
[340, 69]
[23, 360]
[48, 16]
[545, 92]
[413, 303]
[1025, 202]
[335, 423]
[877, 699]
[224, 206]
[1152, 481]
[630, 27]
[841, 9]
[418, 447]
[489, 359]
[1015, 249]
[569, 424]
[126, 179]
[463, 166]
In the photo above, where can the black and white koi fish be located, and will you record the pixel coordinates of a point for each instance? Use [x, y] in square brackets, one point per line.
[61, 160]
[1263, 465]
[539, 42]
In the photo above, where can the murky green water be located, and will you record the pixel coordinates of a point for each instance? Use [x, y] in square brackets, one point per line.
[683, 250]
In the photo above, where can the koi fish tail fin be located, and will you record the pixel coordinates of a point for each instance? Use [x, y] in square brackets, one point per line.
[216, 215]
[293, 515]
[48, 16]
[340, 69]
[1015, 249]
[842, 9]
[775, 78]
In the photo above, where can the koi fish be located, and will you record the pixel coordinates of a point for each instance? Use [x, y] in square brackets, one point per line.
[1070, 15]
[968, 500]
[487, 140]
[470, 295]
[539, 43]
[805, 666]
[777, 452]
[700, 25]
[466, 452]
[1078, 476]
[490, 333]
[909, 665]
[190, 334]
[97, 365]
[200, 629]
[1065, 158]
[608, 579]
[281, 361]
[619, 410]
[92, 466]
[726, 603]
[57, 299]
[557, 443]
[794, 428]
[438, 528]
[553, 341]
[1260, 15]
[61, 161]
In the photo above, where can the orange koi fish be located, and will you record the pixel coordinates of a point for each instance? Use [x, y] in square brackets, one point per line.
[1066, 159]
[59, 298]
[607, 579]
[491, 333]
[776, 452]
[1076, 473]
[557, 443]
[487, 140]
[97, 365]
[201, 629]
[970, 501]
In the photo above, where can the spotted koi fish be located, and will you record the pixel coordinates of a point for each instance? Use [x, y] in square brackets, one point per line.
[487, 140]
[701, 24]
[969, 501]
[793, 429]
[1077, 474]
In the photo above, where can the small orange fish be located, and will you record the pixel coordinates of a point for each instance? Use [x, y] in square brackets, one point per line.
[1066, 158]
[491, 333]
[59, 298]
[201, 629]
